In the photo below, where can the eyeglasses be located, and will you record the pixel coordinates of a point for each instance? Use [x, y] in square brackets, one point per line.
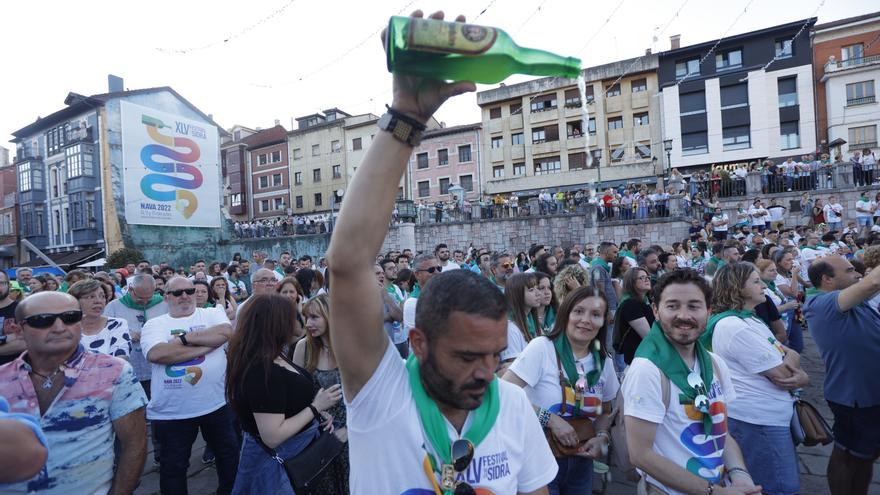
[46, 320]
[642, 277]
[430, 269]
[506, 265]
[265, 280]
[701, 402]
[180, 292]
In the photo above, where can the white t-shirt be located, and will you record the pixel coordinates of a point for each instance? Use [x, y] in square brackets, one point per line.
[113, 339]
[514, 456]
[190, 389]
[757, 214]
[450, 265]
[748, 348]
[680, 436]
[515, 342]
[723, 223]
[409, 314]
[868, 206]
[831, 212]
[536, 365]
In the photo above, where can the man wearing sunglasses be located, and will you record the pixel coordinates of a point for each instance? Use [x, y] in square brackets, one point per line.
[443, 422]
[426, 266]
[502, 269]
[83, 401]
[185, 347]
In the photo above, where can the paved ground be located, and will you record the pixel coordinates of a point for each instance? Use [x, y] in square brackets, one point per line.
[813, 460]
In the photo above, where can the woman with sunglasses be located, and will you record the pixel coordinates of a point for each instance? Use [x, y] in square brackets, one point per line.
[765, 376]
[219, 291]
[633, 318]
[315, 354]
[275, 400]
[100, 334]
[573, 354]
[203, 296]
[523, 301]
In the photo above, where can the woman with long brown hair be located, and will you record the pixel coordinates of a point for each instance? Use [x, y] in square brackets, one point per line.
[523, 300]
[315, 354]
[223, 297]
[275, 400]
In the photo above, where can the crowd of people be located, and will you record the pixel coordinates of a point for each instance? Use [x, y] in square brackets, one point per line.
[283, 226]
[457, 370]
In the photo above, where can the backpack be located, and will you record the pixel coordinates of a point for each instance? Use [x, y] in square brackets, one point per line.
[620, 451]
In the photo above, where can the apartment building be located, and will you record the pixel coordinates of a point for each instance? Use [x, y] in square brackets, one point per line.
[846, 62]
[534, 135]
[447, 156]
[235, 168]
[729, 106]
[269, 177]
[8, 212]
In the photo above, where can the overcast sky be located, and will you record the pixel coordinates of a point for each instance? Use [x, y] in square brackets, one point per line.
[286, 59]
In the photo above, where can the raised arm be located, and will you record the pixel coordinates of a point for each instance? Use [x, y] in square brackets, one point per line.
[359, 340]
[864, 289]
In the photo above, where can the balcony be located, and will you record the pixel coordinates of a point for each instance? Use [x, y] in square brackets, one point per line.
[862, 146]
[73, 136]
[833, 65]
[861, 101]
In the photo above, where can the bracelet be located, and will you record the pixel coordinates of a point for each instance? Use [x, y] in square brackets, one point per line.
[406, 118]
[738, 470]
[544, 417]
[315, 413]
[604, 434]
[710, 489]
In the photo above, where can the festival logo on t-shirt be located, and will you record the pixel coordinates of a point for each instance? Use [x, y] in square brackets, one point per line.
[188, 372]
[483, 470]
[708, 450]
[591, 402]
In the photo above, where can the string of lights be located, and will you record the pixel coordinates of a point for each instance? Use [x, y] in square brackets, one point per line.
[529, 18]
[596, 33]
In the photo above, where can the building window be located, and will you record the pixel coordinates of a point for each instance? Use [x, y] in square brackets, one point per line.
[497, 142]
[643, 149]
[572, 98]
[337, 171]
[577, 161]
[519, 169]
[466, 182]
[443, 157]
[784, 49]
[787, 92]
[548, 134]
[639, 85]
[316, 149]
[735, 96]
[495, 113]
[859, 93]
[692, 103]
[544, 102]
[264, 181]
[276, 156]
[694, 143]
[264, 205]
[538, 135]
[640, 119]
[464, 153]
[298, 178]
[591, 126]
[297, 153]
[316, 175]
[235, 200]
[422, 160]
[262, 158]
[279, 204]
[618, 153]
[515, 108]
[548, 166]
[574, 129]
[335, 146]
[615, 123]
[74, 161]
[614, 90]
[588, 93]
[687, 68]
[789, 136]
[356, 144]
[735, 138]
[55, 138]
[424, 189]
[319, 200]
[276, 180]
[852, 54]
[517, 138]
[444, 185]
[863, 137]
[498, 172]
[299, 201]
[731, 59]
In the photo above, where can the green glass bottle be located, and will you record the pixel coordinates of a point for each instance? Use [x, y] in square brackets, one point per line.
[455, 51]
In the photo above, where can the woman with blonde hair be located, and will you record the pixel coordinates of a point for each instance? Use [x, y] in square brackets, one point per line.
[568, 279]
[315, 354]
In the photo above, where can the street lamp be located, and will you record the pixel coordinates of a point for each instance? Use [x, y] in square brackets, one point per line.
[667, 146]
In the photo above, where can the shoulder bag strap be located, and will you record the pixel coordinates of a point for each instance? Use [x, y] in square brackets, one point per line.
[563, 382]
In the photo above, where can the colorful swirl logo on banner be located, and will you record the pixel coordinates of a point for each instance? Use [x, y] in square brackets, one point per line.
[180, 188]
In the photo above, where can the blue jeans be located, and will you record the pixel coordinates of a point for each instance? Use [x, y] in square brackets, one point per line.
[769, 454]
[259, 473]
[176, 437]
[575, 476]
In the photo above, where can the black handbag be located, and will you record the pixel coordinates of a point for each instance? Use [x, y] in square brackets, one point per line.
[305, 469]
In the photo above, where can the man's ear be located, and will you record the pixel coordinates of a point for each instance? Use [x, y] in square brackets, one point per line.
[419, 343]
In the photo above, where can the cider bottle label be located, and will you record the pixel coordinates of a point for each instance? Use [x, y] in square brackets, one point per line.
[449, 37]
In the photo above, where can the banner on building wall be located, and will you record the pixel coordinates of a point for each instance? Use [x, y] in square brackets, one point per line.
[170, 169]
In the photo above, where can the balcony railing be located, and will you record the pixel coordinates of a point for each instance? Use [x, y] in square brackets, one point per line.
[80, 134]
[862, 146]
[861, 101]
[835, 65]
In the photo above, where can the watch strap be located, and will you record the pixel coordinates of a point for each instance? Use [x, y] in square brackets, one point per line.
[182, 337]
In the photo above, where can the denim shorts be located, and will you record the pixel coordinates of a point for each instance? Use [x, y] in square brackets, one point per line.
[856, 429]
[770, 456]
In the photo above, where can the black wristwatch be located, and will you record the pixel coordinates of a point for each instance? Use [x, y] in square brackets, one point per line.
[402, 127]
[182, 337]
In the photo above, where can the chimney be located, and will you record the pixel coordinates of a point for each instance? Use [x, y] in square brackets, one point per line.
[115, 84]
[647, 51]
[277, 122]
[675, 42]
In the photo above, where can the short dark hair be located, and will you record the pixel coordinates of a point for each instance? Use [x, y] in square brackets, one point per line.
[604, 245]
[440, 246]
[819, 269]
[143, 261]
[664, 257]
[717, 247]
[643, 256]
[457, 290]
[385, 262]
[682, 277]
[632, 243]
[534, 250]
